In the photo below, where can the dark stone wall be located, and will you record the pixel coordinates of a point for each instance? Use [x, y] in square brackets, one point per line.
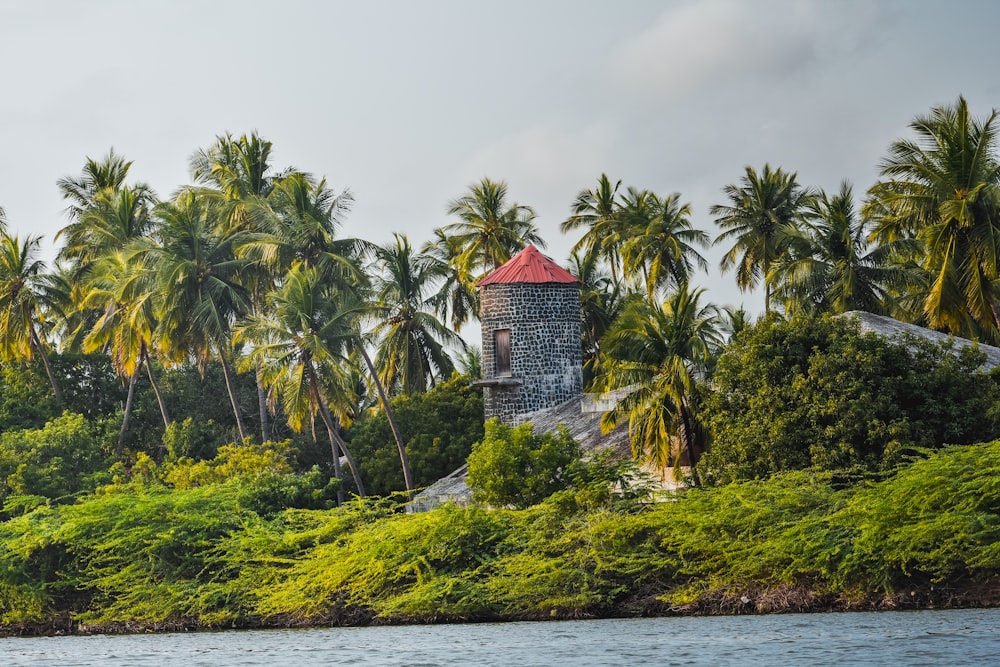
[546, 356]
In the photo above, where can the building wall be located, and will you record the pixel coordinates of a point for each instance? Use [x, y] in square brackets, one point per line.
[546, 356]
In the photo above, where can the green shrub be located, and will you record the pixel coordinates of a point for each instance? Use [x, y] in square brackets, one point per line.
[818, 394]
[66, 457]
[514, 467]
[438, 428]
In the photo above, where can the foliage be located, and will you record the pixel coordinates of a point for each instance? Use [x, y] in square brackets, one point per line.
[942, 189]
[58, 461]
[514, 467]
[439, 428]
[202, 556]
[816, 393]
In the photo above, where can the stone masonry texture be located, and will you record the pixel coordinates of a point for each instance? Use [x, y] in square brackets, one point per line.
[546, 355]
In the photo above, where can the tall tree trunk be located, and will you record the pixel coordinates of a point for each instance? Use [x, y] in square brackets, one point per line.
[265, 416]
[144, 356]
[36, 343]
[129, 401]
[231, 388]
[403, 458]
[265, 421]
[338, 443]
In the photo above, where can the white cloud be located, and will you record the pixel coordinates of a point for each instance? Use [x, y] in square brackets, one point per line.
[712, 44]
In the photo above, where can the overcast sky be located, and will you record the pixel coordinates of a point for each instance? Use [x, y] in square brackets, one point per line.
[407, 103]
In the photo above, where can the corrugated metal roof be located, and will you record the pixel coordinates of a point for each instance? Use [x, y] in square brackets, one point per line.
[529, 266]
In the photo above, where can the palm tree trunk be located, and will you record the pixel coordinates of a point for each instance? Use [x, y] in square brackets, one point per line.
[144, 356]
[231, 388]
[403, 458]
[36, 343]
[129, 401]
[338, 443]
[265, 422]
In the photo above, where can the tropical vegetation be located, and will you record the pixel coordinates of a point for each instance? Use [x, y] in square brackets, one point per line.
[166, 384]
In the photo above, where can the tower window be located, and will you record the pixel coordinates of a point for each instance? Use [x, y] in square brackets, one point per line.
[501, 341]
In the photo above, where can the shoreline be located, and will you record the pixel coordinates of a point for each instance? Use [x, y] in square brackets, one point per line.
[749, 602]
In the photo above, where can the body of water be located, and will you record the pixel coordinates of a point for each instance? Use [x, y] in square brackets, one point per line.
[958, 637]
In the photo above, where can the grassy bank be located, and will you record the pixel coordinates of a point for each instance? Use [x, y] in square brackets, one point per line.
[137, 557]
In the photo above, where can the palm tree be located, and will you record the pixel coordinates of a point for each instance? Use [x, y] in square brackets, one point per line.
[490, 230]
[109, 221]
[761, 216]
[830, 266]
[598, 211]
[456, 298]
[22, 280]
[662, 240]
[299, 225]
[601, 301]
[97, 176]
[301, 348]
[412, 341]
[943, 189]
[239, 176]
[656, 354]
[200, 296]
[119, 288]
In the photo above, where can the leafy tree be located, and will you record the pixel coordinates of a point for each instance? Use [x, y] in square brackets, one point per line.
[515, 467]
[762, 213]
[118, 287]
[110, 220]
[830, 266]
[815, 393]
[943, 189]
[239, 177]
[200, 295]
[441, 426]
[412, 342]
[599, 211]
[456, 299]
[300, 348]
[601, 301]
[21, 299]
[489, 230]
[661, 241]
[64, 458]
[656, 354]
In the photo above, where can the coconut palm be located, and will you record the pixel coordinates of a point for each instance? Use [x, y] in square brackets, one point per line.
[301, 347]
[662, 240]
[943, 189]
[412, 341]
[97, 176]
[656, 354]
[238, 175]
[830, 266]
[22, 280]
[601, 301]
[456, 299]
[300, 224]
[489, 230]
[598, 211]
[760, 217]
[119, 288]
[109, 221]
[199, 293]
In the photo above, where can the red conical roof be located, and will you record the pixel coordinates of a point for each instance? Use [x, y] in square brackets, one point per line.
[529, 266]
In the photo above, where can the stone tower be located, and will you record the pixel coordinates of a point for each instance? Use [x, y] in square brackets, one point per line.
[532, 356]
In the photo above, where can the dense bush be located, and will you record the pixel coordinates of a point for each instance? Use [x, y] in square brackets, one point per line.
[438, 428]
[202, 555]
[68, 456]
[818, 394]
[515, 467]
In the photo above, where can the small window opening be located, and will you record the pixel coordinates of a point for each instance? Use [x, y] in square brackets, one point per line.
[501, 339]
